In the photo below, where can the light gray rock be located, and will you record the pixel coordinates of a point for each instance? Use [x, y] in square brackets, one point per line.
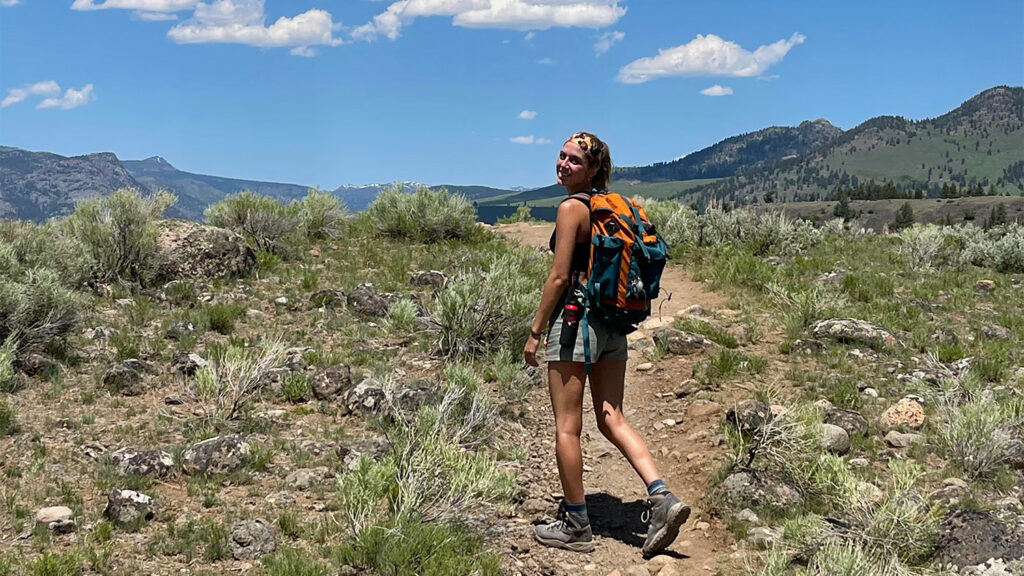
[836, 440]
[853, 331]
[902, 440]
[150, 463]
[218, 455]
[125, 507]
[304, 478]
[252, 539]
[59, 519]
[188, 249]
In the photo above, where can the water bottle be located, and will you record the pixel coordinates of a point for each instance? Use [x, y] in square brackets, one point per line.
[570, 323]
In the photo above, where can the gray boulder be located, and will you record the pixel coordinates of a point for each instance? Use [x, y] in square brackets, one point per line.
[970, 537]
[365, 300]
[218, 455]
[848, 420]
[125, 507]
[252, 539]
[331, 383]
[187, 363]
[367, 396]
[150, 463]
[58, 519]
[749, 416]
[836, 440]
[191, 250]
[853, 331]
[126, 376]
[431, 278]
[747, 489]
[681, 343]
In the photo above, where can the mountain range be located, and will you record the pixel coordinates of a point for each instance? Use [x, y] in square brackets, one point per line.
[979, 143]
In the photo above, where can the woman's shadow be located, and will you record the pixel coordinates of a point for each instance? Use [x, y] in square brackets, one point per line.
[612, 518]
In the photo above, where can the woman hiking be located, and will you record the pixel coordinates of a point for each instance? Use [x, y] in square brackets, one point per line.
[583, 168]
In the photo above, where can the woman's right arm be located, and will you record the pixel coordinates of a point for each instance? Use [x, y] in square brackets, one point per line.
[571, 216]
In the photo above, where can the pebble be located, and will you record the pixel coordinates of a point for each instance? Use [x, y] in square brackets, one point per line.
[645, 367]
[282, 300]
[871, 392]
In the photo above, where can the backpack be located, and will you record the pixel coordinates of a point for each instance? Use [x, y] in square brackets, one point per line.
[627, 257]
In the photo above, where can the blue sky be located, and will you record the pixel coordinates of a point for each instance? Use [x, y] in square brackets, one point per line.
[331, 92]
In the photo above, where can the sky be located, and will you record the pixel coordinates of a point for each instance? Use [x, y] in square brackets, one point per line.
[333, 92]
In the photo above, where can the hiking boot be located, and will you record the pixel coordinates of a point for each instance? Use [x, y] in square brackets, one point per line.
[666, 514]
[565, 532]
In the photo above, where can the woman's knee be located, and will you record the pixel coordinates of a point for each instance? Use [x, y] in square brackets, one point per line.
[610, 423]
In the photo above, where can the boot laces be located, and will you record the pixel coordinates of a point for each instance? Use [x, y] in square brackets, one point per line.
[645, 516]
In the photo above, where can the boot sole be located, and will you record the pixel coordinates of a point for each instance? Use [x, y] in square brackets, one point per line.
[572, 546]
[677, 516]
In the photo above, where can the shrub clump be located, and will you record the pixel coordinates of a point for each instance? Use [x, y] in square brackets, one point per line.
[321, 215]
[264, 221]
[424, 216]
[36, 313]
[120, 233]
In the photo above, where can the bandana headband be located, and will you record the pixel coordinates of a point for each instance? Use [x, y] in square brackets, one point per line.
[584, 141]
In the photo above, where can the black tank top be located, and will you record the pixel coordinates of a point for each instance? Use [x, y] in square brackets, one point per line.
[580, 256]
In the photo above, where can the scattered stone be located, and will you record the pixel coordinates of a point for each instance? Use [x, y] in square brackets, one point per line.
[187, 363]
[148, 463]
[985, 286]
[859, 463]
[188, 249]
[703, 408]
[59, 519]
[995, 332]
[1015, 454]
[252, 539]
[365, 301]
[969, 537]
[281, 300]
[327, 299]
[870, 392]
[432, 278]
[748, 416]
[761, 538]
[748, 489]
[125, 507]
[331, 383]
[126, 376]
[179, 329]
[853, 331]
[747, 515]
[907, 412]
[807, 346]
[681, 343]
[836, 440]
[902, 440]
[217, 455]
[848, 420]
[645, 367]
[304, 478]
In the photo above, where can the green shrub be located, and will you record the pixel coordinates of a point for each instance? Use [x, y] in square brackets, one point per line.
[120, 233]
[187, 539]
[424, 216]
[292, 562]
[221, 317]
[295, 388]
[976, 433]
[263, 220]
[38, 312]
[712, 332]
[49, 246]
[234, 376]
[55, 564]
[9, 380]
[321, 215]
[8, 419]
[402, 316]
[522, 214]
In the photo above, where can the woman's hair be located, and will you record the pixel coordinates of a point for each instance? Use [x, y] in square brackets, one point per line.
[597, 153]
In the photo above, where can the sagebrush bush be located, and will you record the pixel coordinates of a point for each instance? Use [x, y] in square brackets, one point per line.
[522, 214]
[8, 375]
[322, 215]
[976, 434]
[25, 245]
[38, 312]
[120, 233]
[424, 216]
[8, 419]
[235, 377]
[263, 220]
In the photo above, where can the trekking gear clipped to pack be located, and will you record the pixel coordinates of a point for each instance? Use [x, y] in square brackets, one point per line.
[627, 257]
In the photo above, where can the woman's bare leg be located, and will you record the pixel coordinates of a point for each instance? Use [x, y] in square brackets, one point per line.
[607, 385]
[565, 384]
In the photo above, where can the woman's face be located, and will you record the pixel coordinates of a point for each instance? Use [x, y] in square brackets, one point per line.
[574, 168]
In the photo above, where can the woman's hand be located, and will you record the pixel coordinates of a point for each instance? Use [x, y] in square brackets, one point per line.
[530, 350]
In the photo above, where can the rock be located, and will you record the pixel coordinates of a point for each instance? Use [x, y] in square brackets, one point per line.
[747, 515]
[949, 495]
[761, 538]
[281, 300]
[411, 398]
[859, 463]
[907, 412]
[327, 299]
[187, 363]
[969, 537]
[59, 519]
[304, 478]
[985, 286]
[703, 408]
[34, 364]
[179, 329]
[901, 440]
[125, 507]
[331, 383]
[807, 346]
[748, 416]
[836, 440]
[188, 249]
[365, 301]
[645, 367]
[681, 343]
[217, 455]
[638, 570]
[870, 392]
[148, 463]
[995, 332]
[126, 376]
[848, 420]
[1015, 454]
[746, 489]
[252, 539]
[853, 331]
[432, 278]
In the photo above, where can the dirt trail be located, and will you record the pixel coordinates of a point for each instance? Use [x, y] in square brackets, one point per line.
[686, 452]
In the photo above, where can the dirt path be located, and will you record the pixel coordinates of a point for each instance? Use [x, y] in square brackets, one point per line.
[687, 453]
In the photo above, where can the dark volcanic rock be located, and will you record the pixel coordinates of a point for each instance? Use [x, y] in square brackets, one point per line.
[969, 537]
[190, 250]
[217, 455]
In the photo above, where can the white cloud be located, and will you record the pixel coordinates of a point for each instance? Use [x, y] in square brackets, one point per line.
[6, 3]
[529, 140]
[243, 22]
[15, 95]
[717, 90]
[530, 36]
[153, 16]
[527, 115]
[546, 61]
[707, 56]
[506, 14]
[140, 5]
[605, 42]
[304, 51]
[72, 99]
